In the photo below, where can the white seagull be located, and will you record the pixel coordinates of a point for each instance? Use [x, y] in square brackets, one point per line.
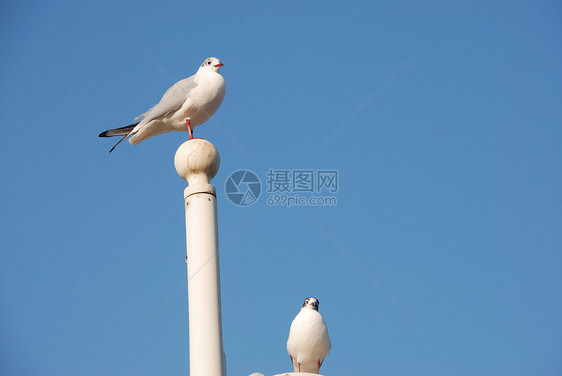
[187, 104]
[308, 342]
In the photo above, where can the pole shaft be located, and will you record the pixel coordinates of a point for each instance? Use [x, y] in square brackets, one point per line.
[205, 324]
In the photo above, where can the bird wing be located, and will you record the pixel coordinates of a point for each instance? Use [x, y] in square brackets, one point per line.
[172, 100]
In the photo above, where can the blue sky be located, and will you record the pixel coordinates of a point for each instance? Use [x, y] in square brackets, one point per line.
[442, 119]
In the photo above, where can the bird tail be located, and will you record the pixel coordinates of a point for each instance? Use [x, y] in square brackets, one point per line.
[118, 131]
[123, 131]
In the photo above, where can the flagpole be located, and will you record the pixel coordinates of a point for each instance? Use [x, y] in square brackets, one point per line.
[197, 162]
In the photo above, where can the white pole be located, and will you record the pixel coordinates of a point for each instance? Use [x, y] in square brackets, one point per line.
[197, 161]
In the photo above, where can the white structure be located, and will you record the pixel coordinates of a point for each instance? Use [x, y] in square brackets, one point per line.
[197, 161]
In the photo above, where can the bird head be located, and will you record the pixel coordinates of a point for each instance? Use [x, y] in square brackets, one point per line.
[211, 64]
[310, 303]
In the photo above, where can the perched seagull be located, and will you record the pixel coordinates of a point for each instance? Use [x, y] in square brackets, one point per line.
[187, 104]
[308, 342]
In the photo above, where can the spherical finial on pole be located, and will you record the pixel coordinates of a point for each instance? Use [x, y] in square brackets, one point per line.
[197, 161]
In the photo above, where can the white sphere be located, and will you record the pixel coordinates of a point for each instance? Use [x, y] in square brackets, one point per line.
[197, 161]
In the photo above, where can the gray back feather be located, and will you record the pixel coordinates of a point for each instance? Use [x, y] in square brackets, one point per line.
[172, 99]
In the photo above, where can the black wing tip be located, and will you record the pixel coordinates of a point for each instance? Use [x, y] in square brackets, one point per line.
[123, 131]
[118, 131]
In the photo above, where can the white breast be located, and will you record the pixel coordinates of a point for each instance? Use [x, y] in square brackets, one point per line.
[205, 99]
[308, 341]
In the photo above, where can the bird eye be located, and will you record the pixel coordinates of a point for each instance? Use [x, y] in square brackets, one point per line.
[208, 62]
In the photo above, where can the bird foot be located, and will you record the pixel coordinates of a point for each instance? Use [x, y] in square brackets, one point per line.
[188, 123]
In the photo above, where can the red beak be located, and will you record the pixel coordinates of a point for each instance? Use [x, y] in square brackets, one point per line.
[219, 65]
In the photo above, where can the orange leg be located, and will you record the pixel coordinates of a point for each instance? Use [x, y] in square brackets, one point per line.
[189, 129]
[319, 365]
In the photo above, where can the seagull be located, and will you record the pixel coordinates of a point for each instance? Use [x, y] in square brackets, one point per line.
[308, 342]
[187, 104]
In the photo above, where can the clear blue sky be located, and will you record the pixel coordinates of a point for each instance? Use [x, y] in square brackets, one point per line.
[443, 255]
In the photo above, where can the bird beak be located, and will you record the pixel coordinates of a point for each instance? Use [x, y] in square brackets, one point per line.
[219, 65]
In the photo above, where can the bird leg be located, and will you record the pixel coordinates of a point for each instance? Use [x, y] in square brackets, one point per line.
[189, 129]
[299, 367]
[319, 364]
